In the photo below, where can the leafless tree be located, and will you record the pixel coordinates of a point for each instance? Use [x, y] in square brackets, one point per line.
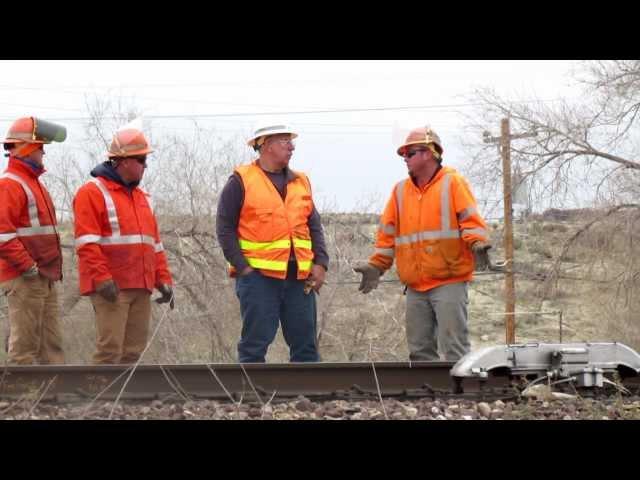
[585, 154]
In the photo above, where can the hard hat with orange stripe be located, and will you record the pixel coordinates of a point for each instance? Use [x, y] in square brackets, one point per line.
[423, 136]
[129, 141]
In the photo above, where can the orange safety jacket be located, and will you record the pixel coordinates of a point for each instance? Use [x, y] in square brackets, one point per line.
[269, 227]
[429, 231]
[27, 224]
[117, 237]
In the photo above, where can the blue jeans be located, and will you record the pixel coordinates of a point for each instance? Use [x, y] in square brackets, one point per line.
[264, 303]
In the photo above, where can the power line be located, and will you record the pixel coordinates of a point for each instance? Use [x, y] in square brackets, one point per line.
[311, 112]
[43, 108]
[140, 97]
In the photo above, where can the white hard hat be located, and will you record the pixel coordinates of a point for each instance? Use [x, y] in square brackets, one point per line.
[270, 129]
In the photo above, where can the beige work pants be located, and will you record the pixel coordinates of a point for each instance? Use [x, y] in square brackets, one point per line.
[34, 313]
[121, 327]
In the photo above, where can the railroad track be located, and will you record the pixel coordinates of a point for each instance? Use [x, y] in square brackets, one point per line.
[67, 383]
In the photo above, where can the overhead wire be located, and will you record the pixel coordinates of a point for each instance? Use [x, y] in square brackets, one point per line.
[443, 108]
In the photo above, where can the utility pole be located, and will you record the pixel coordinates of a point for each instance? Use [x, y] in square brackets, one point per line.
[504, 140]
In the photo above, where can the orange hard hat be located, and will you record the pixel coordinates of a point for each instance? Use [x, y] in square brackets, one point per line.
[423, 136]
[35, 130]
[129, 142]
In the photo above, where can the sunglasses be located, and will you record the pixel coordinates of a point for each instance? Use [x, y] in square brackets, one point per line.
[410, 154]
[140, 160]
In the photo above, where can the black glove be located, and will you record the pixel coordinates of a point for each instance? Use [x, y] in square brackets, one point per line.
[167, 295]
[370, 277]
[481, 254]
[108, 290]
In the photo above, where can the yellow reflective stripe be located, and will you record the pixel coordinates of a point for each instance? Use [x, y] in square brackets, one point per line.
[267, 264]
[300, 243]
[247, 245]
[304, 265]
[297, 242]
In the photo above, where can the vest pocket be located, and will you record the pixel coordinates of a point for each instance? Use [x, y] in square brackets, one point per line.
[432, 259]
[265, 219]
[264, 214]
[453, 254]
[407, 265]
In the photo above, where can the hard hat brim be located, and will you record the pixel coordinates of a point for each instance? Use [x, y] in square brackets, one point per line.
[404, 147]
[19, 140]
[133, 153]
[251, 141]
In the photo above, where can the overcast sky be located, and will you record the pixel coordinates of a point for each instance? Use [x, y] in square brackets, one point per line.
[349, 155]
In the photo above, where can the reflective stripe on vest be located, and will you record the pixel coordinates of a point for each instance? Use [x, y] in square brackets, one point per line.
[278, 244]
[388, 229]
[389, 252]
[399, 195]
[475, 231]
[466, 213]
[116, 238]
[35, 228]
[445, 220]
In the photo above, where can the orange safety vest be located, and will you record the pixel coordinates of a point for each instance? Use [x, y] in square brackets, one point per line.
[429, 231]
[117, 237]
[27, 225]
[269, 226]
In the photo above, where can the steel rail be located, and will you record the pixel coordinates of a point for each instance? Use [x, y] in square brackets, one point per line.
[221, 381]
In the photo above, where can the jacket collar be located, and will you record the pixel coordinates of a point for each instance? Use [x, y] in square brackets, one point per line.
[106, 171]
[20, 166]
[437, 176]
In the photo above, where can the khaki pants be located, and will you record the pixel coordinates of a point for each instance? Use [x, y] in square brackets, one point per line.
[121, 327]
[34, 330]
[437, 321]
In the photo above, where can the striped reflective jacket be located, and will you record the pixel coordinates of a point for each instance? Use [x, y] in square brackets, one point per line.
[269, 227]
[27, 224]
[429, 231]
[117, 237]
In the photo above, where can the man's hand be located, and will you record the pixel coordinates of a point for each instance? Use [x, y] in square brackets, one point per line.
[481, 254]
[32, 272]
[108, 290]
[370, 277]
[167, 295]
[246, 271]
[315, 279]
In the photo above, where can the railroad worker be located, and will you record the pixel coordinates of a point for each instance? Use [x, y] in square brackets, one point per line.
[120, 255]
[270, 233]
[30, 255]
[432, 227]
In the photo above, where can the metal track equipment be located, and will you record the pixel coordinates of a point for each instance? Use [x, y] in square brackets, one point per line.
[584, 364]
